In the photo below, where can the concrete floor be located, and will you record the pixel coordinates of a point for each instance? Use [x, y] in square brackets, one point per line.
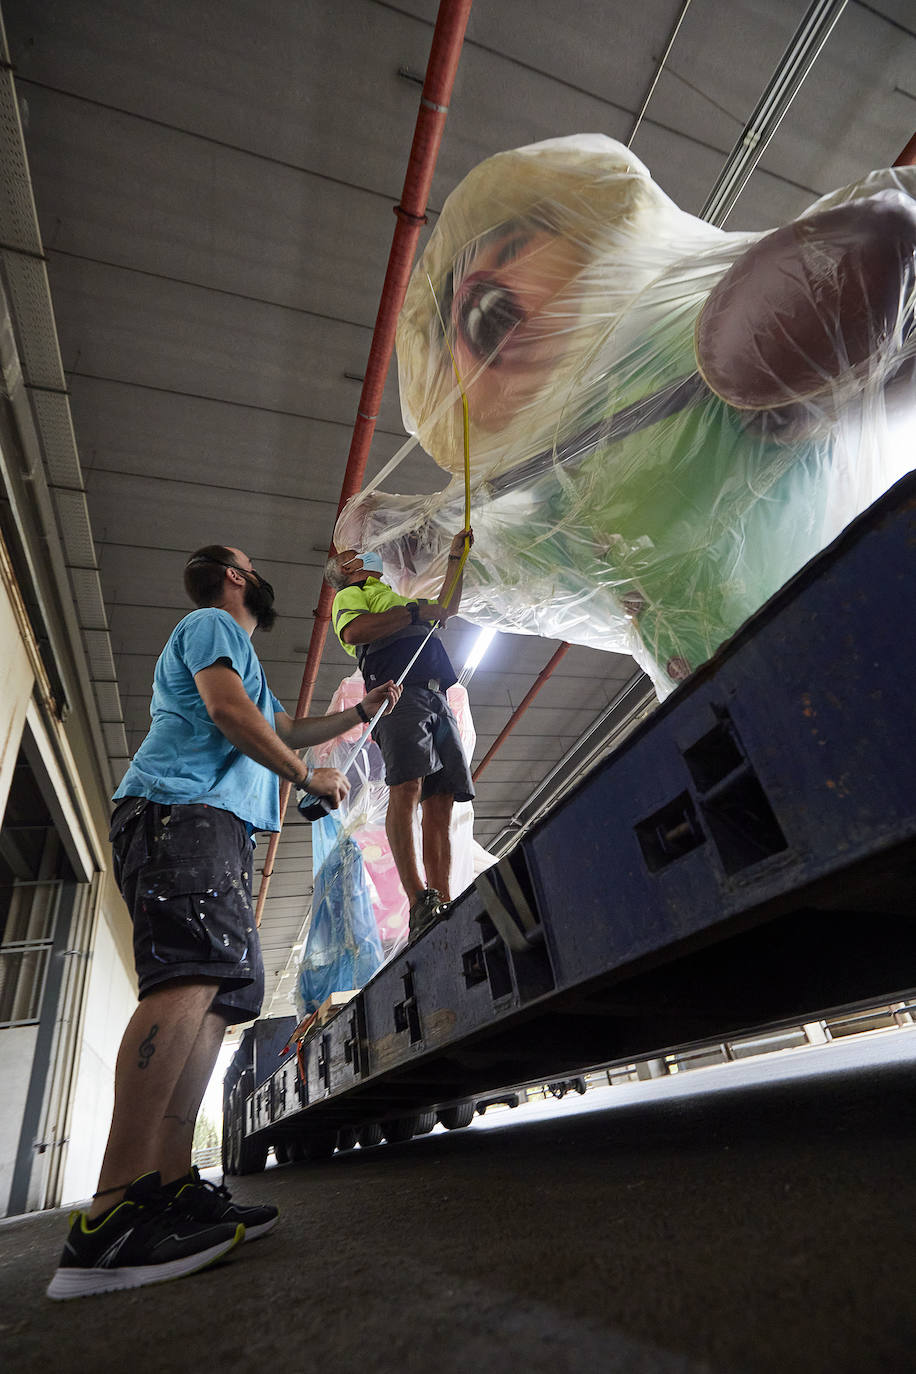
[752, 1219]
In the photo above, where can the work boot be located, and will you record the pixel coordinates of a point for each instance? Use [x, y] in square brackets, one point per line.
[425, 911]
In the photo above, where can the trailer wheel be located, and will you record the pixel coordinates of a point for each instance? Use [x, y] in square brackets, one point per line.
[369, 1135]
[315, 1144]
[347, 1138]
[252, 1155]
[456, 1118]
[426, 1121]
[232, 1134]
[402, 1128]
[281, 1151]
[227, 1145]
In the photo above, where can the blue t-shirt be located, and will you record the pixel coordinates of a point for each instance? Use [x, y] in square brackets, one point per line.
[185, 758]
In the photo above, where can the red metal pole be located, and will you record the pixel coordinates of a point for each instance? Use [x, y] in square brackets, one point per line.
[445, 50]
[522, 707]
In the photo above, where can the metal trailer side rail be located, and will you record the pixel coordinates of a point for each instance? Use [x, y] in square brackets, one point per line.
[747, 856]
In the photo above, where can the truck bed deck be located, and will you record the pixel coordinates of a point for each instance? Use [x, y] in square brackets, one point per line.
[748, 856]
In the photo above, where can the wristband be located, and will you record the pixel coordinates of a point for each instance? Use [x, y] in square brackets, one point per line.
[414, 610]
[309, 773]
[454, 558]
[361, 712]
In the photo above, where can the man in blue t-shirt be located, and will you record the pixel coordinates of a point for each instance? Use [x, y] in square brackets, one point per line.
[205, 778]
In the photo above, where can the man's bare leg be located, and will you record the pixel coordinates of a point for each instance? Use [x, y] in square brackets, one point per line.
[403, 800]
[155, 1049]
[176, 1138]
[437, 842]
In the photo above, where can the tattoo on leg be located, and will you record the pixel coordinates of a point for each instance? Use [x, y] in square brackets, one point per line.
[147, 1048]
[188, 1120]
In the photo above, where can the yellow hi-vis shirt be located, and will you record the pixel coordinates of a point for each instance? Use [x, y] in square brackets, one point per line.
[372, 596]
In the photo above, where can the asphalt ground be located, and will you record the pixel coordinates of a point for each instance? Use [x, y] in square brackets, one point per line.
[758, 1218]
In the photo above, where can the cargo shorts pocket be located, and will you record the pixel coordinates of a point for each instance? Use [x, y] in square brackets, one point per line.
[129, 837]
[196, 912]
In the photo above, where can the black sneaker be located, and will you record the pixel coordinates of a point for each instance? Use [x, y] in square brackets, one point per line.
[199, 1198]
[143, 1239]
[424, 912]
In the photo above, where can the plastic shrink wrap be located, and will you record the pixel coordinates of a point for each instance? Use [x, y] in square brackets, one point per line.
[359, 909]
[666, 420]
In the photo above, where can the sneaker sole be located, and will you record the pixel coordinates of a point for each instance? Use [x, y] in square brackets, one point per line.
[81, 1283]
[256, 1232]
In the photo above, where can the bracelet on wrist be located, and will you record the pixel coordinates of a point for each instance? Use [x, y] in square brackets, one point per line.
[362, 713]
[309, 773]
[454, 558]
[413, 610]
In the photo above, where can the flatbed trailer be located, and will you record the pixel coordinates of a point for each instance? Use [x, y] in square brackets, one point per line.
[747, 857]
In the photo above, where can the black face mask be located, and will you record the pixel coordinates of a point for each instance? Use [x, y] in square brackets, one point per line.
[259, 599]
[259, 595]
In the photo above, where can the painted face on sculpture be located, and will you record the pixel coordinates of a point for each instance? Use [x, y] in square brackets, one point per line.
[511, 296]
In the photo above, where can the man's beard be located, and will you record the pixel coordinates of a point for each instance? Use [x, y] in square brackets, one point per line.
[259, 602]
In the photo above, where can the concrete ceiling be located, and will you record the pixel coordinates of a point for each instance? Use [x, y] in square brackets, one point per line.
[214, 182]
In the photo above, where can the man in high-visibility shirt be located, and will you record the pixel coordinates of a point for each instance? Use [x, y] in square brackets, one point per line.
[425, 764]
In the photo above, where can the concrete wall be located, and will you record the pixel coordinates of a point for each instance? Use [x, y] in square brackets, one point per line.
[110, 1002]
[17, 1050]
[17, 1044]
[78, 1107]
[16, 681]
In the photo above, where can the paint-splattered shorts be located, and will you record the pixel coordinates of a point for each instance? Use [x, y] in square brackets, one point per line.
[185, 874]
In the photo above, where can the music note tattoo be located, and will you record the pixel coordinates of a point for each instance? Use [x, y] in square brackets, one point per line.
[147, 1049]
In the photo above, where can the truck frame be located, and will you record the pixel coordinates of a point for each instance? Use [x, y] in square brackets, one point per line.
[746, 857]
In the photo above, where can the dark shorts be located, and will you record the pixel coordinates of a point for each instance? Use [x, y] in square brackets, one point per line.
[185, 874]
[420, 739]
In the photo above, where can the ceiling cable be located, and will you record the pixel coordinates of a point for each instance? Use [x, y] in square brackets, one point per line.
[658, 71]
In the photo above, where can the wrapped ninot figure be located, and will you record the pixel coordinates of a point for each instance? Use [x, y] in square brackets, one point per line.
[666, 420]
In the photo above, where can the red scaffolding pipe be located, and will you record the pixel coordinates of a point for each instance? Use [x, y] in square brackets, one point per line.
[444, 53]
[522, 707]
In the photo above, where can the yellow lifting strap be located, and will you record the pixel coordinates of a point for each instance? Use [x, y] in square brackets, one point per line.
[467, 446]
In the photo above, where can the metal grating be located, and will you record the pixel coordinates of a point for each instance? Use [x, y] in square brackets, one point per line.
[115, 738]
[55, 425]
[76, 533]
[98, 650]
[108, 699]
[87, 590]
[18, 221]
[30, 298]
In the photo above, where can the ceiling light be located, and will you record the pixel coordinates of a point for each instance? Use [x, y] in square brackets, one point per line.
[480, 648]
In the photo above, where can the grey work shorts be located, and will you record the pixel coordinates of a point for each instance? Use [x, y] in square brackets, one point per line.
[185, 873]
[420, 739]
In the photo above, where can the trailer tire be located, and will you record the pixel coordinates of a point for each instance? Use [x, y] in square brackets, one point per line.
[281, 1151]
[227, 1148]
[400, 1129]
[233, 1134]
[369, 1135]
[457, 1117]
[347, 1138]
[426, 1122]
[309, 1146]
[252, 1155]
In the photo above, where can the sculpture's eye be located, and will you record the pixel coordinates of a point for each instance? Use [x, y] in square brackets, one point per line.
[485, 314]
